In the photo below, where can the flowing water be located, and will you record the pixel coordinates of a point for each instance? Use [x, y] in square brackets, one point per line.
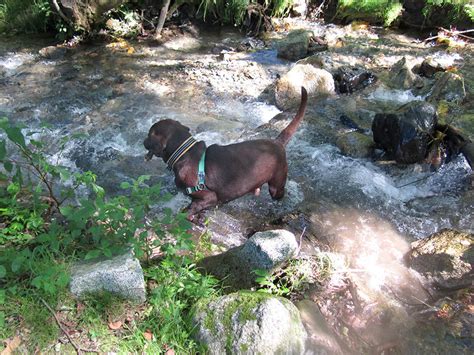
[114, 97]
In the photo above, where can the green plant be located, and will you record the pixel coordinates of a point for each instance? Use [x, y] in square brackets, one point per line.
[25, 16]
[383, 11]
[286, 281]
[234, 12]
[455, 9]
[178, 287]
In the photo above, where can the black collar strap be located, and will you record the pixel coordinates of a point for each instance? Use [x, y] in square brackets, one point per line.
[180, 151]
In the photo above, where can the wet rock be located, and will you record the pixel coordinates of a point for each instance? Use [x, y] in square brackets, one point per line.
[402, 77]
[121, 276]
[449, 87]
[445, 259]
[321, 339]
[295, 45]
[53, 52]
[405, 134]
[250, 323]
[355, 144]
[264, 250]
[348, 80]
[429, 67]
[288, 88]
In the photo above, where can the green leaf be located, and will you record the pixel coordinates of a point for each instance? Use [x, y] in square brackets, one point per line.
[3, 272]
[93, 254]
[17, 263]
[15, 135]
[8, 166]
[125, 185]
[3, 150]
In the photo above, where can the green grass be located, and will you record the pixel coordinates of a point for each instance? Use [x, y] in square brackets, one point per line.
[24, 16]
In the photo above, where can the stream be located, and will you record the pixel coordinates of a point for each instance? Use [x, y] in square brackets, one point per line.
[114, 92]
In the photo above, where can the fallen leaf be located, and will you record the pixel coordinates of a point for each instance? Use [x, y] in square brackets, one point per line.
[148, 335]
[11, 345]
[115, 325]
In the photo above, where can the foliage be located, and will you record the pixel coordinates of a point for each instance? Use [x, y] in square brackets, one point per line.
[47, 224]
[457, 9]
[285, 282]
[234, 12]
[384, 11]
[25, 16]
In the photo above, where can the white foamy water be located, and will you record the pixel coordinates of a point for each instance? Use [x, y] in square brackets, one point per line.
[400, 96]
[12, 61]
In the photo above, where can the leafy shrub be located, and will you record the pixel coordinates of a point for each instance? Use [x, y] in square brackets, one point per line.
[46, 224]
[383, 11]
[25, 16]
[234, 12]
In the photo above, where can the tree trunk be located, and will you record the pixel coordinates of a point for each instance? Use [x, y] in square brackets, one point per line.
[161, 20]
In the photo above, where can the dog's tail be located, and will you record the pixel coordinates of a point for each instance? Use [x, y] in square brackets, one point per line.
[285, 135]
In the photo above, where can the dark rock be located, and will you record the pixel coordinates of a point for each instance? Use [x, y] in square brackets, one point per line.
[348, 80]
[429, 67]
[406, 134]
[445, 259]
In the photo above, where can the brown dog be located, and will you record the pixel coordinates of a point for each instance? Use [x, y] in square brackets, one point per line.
[231, 171]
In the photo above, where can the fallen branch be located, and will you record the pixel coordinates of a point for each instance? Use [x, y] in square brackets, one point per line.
[61, 13]
[76, 347]
[451, 33]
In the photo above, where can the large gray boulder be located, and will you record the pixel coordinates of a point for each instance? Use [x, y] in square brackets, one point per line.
[249, 323]
[318, 82]
[263, 251]
[445, 259]
[121, 276]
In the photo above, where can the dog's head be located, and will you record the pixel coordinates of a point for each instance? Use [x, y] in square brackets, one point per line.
[162, 135]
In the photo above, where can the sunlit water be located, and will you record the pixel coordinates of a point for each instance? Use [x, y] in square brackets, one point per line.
[114, 99]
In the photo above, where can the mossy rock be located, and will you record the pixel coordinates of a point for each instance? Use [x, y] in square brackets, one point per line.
[355, 144]
[249, 323]
[445, 259]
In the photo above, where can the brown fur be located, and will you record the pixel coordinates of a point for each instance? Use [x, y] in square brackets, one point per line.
[231, 170]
